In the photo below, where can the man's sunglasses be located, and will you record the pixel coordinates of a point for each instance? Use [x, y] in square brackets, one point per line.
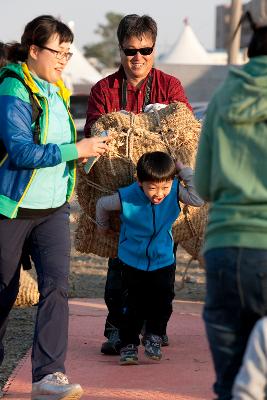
[144, 51]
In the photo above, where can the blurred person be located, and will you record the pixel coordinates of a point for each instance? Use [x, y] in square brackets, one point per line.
[37, 177]
[231, 174]
[136, 87]
[251, 380]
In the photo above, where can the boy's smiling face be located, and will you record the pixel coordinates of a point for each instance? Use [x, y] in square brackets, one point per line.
[156, 191]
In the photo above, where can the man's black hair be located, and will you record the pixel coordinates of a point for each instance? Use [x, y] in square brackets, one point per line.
[136, 25]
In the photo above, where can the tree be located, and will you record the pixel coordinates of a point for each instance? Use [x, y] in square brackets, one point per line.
[106, 51]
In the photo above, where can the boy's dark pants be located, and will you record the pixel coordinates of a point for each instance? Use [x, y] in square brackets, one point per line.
[236, 298]
[49, 240]
[149, 297]
[114, 294]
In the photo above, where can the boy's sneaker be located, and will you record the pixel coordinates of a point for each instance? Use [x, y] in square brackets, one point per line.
[165, 340]
[113, 345]
[129, 355]
[55, 387]
[152, 347]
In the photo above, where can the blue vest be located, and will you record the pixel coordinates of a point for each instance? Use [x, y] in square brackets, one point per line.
[146, 239]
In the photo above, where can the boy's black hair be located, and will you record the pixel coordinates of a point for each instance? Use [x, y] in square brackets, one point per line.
[155, 166]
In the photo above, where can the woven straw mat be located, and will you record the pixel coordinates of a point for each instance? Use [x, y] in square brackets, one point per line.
[174, 130]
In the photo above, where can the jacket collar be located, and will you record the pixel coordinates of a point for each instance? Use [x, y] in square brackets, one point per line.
[63, 91]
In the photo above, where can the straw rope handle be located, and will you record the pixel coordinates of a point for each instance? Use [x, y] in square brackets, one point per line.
[186, 213]
[129, 144]
[171, 152]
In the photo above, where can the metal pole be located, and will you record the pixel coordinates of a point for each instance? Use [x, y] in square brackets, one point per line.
[234, 44]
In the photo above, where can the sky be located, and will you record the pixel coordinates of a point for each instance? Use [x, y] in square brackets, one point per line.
[87, 15]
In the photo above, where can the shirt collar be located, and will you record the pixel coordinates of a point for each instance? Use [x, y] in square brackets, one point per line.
[46, 88]
[121, 75]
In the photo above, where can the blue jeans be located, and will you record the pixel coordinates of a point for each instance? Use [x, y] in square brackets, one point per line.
[236, 298]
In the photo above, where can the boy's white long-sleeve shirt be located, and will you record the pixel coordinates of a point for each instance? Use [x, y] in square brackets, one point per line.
[187, 195]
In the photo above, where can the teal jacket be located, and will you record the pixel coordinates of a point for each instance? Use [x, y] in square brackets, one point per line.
[231, 166]
[146, 241]
[18, 168]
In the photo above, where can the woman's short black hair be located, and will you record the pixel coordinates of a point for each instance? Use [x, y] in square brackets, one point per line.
[258, 43]
[136, 25]
[38, 32]
[155, 166]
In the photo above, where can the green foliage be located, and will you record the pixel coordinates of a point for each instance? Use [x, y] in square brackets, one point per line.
[106, 51]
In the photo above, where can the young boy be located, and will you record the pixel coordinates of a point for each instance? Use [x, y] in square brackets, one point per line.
[148, 208]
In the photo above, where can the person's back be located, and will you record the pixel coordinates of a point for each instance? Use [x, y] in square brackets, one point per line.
[237, 186]
[231, 174]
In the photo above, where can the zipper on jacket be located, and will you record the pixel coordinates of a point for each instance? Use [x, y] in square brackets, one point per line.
[3, 160]
[35, 170]
[151, 238]
[74, 131]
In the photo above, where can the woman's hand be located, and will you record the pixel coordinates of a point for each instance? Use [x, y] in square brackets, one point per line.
[92, 147]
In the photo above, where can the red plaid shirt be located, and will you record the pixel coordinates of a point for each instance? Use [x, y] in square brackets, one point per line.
[106, 95]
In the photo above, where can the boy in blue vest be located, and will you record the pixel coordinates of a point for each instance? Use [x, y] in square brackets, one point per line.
[148, 208]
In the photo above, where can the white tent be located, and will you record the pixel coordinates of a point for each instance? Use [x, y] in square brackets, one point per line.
[79, 75]
[187, 49]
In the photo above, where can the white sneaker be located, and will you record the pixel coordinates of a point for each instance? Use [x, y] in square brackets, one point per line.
[56, 387]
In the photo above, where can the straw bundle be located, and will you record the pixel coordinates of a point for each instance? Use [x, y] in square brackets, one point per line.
[28, 290]
[173, 130]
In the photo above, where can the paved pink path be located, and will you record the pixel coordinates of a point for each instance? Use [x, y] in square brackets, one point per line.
[185, 372]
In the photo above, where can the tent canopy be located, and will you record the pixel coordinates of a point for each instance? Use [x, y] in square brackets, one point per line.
[187, 49]
[79, 75]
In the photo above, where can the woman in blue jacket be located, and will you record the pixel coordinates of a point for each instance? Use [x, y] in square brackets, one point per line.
[38, 154]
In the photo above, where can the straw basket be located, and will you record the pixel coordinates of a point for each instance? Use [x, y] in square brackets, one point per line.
[28, 290]
[173, 130]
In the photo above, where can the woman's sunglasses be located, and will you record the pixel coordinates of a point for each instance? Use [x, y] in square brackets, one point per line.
[144, 51]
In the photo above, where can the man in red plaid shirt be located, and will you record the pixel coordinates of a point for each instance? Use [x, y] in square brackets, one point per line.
[136, 87]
